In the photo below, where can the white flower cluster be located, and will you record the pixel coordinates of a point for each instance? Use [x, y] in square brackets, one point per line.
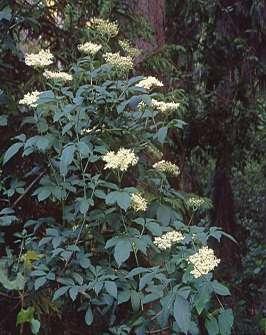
[138, 203]
[121, 160]
[167, 240]
[149, 82]
[89, 130]
[203, 261]
[164, 106]
[142, 106]
[89, 48]
[197, 202]
[41, 59]
[30, 99]
[129, 49]
[103, 27]
[86, 131]
[118, 62]
[167, 167]
[60, 76]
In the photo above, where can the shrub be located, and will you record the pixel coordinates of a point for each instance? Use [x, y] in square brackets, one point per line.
[124, 239]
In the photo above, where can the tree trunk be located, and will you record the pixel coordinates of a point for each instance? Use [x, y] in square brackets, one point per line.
[154, 12]
[224, 215]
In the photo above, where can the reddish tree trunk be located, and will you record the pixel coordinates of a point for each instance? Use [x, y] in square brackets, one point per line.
[224, 214]
[154, 12]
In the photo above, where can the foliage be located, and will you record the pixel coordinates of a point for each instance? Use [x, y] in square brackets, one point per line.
[250, 207]
[29, 25]
[99, 252]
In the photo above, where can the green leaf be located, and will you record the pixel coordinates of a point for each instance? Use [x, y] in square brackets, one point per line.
[3, 120]
[84, 205]
[182, 313]
[43, 193]
[39, 282]
[123, 296]
[61, 291]
[46, 97]
[164, 214]
[38, 273]
[152, 297]
[78, 278]
[35, 326]
[123, 199]
[225, 321]
[16, 284]
[111, 288]
[89, 316]
[11, 151]
[73, 292]
[146, 280]
[84, 149]
[161, 134]
[203, 297]
[219, 288]
[154, 228]
[7, 217]
[25, 315]
[230, 237]
[135, 300]
[6, 14]
[66, 159]
[211, 325]
[100, 194]
[84, 262]
[122, 251]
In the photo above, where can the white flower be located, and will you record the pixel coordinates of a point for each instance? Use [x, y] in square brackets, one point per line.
[30, 99]
[167, 240]
[164, 106]
[142, 106]
[89, 48]
[121, 160]
[167, 167]
[118, 62]
[149, 82]
[61, 76]
[103, 27]
[196, 202]
[129, 49]
[138, 203]
[86, 131]
[203, 262]
[41, 59]
[89, 130]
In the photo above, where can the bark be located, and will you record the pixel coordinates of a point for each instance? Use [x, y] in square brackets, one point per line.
[154, 12]
[224, 214]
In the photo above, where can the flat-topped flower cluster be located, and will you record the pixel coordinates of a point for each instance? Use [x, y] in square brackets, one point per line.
[164, 106]
[195, 203]
[103, 27]
[204, 261]
[89, 48]
[40, 59]
[30, 99]
[129, 49]
[58, 75]
[122, 160]
[167, 240]
[118, 62]
[150, 82]
[138, 202]
[167, 167]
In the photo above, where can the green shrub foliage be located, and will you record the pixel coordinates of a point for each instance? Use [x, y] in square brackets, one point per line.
[125, 239]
